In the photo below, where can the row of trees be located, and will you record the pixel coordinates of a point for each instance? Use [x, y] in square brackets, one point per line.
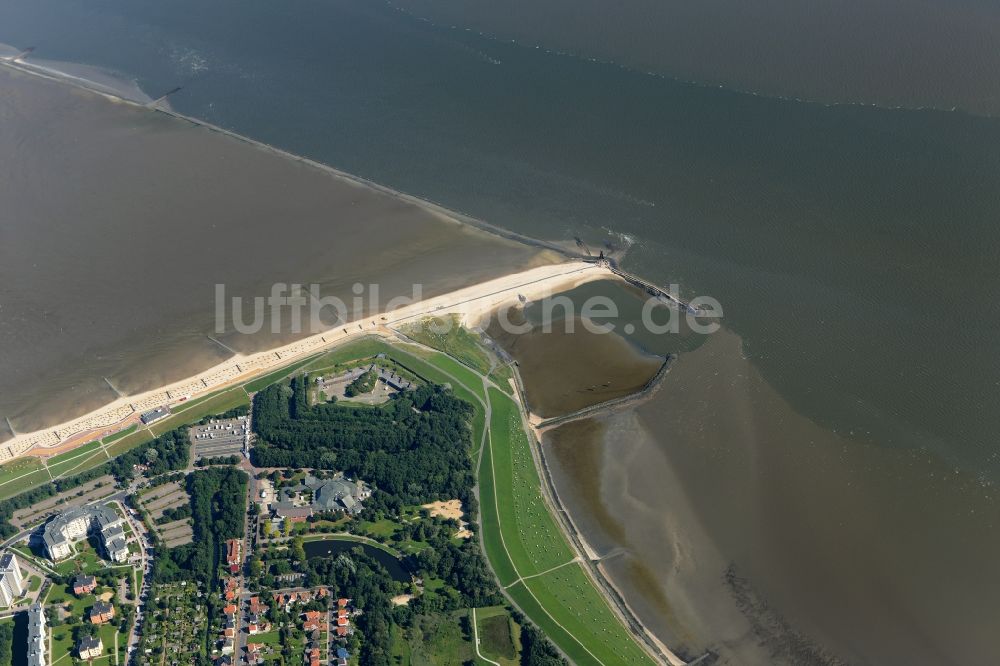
[6, 643]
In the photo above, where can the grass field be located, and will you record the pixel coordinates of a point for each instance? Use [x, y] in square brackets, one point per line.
[118, 435]
[268, 379]
[499, 635]
[21, 474]
[68, 462]
[439, 640]
[216, 404]
[447, 335]
[522, 540]
[534, 541]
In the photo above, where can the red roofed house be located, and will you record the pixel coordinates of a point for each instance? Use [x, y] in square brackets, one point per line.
[84, 585]
[255, 625]
[102, 612]
[233, 554]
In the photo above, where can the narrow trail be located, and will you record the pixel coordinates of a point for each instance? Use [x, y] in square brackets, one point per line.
[475, 637]
[575, 560]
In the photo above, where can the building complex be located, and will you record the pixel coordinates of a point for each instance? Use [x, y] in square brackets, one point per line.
[61, 534]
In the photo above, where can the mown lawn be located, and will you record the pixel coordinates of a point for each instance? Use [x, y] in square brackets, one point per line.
[217, 404]
[124, 433]
[270, 378]
[68, 462]
[564, 603]
[534, 541]
[21, 474]
[592, 622]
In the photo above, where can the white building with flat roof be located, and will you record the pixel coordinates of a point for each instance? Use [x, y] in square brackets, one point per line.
[11, 582]
[37, 640]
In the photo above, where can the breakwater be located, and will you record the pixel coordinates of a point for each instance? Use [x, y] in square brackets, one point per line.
[609, 406]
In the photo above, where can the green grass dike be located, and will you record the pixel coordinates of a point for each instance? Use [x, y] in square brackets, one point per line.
[532, 556]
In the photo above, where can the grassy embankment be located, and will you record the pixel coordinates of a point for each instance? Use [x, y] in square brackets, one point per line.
[447, 335]
[532, 557]
[528, 552]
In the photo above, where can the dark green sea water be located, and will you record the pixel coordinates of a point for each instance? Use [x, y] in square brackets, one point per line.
[853, 249]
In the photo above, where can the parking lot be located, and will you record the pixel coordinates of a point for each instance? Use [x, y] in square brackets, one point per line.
[161, 499]
[220, 437]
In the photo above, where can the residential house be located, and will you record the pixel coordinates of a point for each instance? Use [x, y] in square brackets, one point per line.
[102, 612]
[90, 647]
[84, 585]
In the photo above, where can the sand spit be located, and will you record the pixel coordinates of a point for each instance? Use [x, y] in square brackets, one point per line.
[468, 303]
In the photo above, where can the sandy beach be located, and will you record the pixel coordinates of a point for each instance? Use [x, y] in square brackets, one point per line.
[470, 304]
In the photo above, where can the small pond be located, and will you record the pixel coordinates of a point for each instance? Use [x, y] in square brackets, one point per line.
[334, 547]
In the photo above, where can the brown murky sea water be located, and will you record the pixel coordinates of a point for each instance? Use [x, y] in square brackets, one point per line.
[118, 222]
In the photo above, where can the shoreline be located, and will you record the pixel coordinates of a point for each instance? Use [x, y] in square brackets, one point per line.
[69, 434]
[587, 556]
[468, 302]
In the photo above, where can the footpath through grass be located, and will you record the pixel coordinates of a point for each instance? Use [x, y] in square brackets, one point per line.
[20, 475]
[531, 555]
[66, 463]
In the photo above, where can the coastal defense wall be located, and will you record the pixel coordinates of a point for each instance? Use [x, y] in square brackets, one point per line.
[647, 391]
[589, 558]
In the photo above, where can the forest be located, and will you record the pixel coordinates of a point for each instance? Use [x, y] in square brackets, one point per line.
[415, 447]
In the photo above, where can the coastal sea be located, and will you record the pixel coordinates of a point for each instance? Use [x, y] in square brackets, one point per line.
[891, 53]
[732, 524]
[119, 222]
[826, 464]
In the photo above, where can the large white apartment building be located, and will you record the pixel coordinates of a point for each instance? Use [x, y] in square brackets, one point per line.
[63, 532]
[11, 583]
[37, 640]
